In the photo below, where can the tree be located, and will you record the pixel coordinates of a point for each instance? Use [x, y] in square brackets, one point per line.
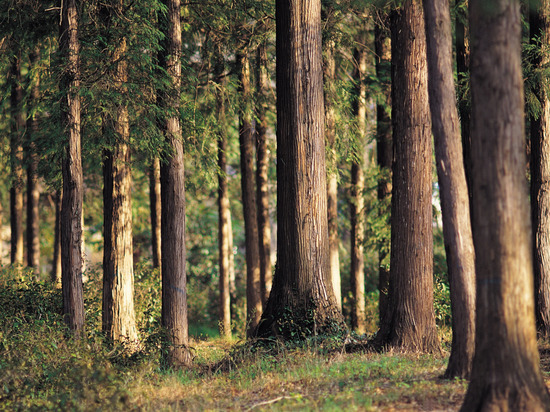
[56, 261]
[71, 209]
[505, 372]
[453, 188]
[302, 301]
[155, 207]
[174, 280]
[539, 19]
[409, 321]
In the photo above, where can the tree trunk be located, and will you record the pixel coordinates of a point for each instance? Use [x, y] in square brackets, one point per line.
[262, 166]
[384, 153]
[505, 373]
[174, 281]
[453, 188]
[71, 209]
[302, 301]
[16, 161]
[246, 138]
[539, 19]
[33, 192]
[154, 205]
[409, 322]
[357, 198]
[56, 262]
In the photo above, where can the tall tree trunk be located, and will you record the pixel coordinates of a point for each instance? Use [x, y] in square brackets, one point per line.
[16, 161]
[246, 138]
[539, 19]
[357, 198]
[71, 209]
[262, 166]
[505, 373]
[329, 75]
[384, 152]
[33, 192]
[409, 322]
[174, 281]
[155, 207]
[56, 261]
[302, 301]
[225, 232]
[457, 230]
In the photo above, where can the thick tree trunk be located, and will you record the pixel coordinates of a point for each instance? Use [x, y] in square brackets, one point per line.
[56, 261]
[155, 207]
[71, 209]
[246, 139]
[262, 166]
[505, 373]
[357, 197]
[302, 301]
[16, 161]
[384, 153]
[453, 188]
[409, 322]
[174, 281]
[540, 171]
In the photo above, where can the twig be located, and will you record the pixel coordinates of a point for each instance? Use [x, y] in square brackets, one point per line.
[280, 398]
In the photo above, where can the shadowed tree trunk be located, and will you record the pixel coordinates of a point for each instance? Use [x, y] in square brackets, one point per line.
[262, 166]
[174, 280]
[154, 204]
[246, 139]
[302, 301]
[56, 262]
[71, 209]
[409, 321]
[505, 373]
[539, 18]
[453, 188]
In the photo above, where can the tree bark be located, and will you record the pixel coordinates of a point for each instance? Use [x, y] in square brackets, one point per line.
[262, 167]
[174, 281]
[453, 188]
[409, 322]
[246, 139]
[505, 373]
[56, 262]
[16, 161]
[539, 18]
[154, 205]
[302, 301]
[71, 209]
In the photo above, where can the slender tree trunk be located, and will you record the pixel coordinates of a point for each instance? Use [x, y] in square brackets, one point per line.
[56, 262]
[262, 166]
[453, 188]
[505, 373]
[329, 75]
[246, 138]
[71, 209]
[409, 322]
[16, 161]
[33, 192]
[384, 153]
[174, 280]
[154, 205]
[357, 199]
[539, 19]
[302, 301]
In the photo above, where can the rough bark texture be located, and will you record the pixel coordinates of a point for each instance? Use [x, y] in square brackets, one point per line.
[16, 161]
[262, 166]
[540, 171]
[154, 205]
[71, 209]
[302, 301]
[56, 261]
[505, 373]
[357, 199]
[246, 139]
[384, 152]
[329, 75]
[174, 281]
[453, 188]
[409, 322]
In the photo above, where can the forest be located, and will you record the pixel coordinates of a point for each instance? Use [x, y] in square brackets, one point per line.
[288, 205]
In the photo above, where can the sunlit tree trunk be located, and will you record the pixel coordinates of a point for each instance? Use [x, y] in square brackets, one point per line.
[506, 372]
[56, 261]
